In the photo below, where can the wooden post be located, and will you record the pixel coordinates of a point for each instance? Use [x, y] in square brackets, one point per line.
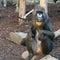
[21, 9]
[5, 2]
[17, 7]
[43, 3]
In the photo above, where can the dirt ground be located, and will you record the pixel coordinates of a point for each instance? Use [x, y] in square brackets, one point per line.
[9, 23]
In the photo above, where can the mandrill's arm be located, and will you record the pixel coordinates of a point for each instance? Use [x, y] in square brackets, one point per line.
[47, 33]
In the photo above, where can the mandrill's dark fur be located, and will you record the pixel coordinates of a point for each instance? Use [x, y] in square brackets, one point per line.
[45, 35]
[55, 1]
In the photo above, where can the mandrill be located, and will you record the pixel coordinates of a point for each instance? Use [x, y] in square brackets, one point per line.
[40, 37]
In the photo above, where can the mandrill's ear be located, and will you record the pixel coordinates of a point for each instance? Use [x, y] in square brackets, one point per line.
[55, 1]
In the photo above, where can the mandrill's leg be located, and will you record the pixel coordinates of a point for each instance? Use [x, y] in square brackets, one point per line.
[57, 33]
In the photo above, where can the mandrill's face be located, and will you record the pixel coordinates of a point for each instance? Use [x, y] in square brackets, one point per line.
[39, 19]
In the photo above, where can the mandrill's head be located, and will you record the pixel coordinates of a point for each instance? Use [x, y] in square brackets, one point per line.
[38, 16]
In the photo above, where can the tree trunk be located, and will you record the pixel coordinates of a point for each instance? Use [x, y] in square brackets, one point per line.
[21, 9]
[43, 3]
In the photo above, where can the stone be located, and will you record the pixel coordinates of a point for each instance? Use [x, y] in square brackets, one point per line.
[25, 55]
[57, 33]
[17, 37]
[49, 57]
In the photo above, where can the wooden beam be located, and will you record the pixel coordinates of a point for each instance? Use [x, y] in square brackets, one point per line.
[43, 3]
